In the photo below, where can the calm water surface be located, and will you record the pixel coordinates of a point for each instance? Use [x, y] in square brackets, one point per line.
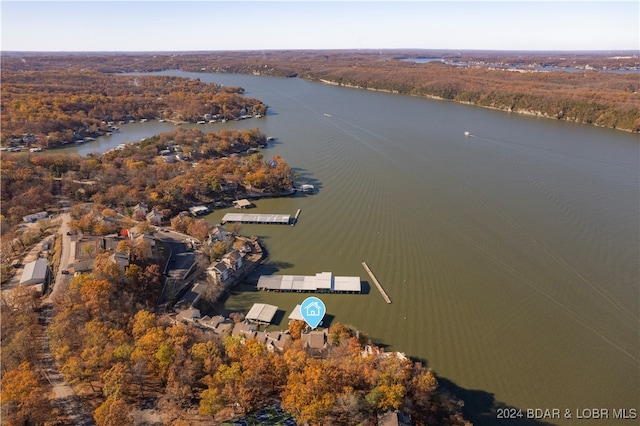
[511, 256]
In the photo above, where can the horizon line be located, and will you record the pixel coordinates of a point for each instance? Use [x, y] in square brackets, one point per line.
[385, 49]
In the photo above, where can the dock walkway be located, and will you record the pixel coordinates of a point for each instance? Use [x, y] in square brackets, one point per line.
[375, 281]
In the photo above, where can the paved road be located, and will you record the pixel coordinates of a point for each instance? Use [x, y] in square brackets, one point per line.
[61, 278]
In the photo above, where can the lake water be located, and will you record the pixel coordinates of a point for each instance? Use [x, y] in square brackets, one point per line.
[511, 255]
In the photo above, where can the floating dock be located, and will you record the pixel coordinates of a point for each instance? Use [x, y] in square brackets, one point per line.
[279, 219]
[375, 281]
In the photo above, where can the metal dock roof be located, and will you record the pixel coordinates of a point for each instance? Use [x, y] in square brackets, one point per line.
[261, 312]
[281, 219]
[323, 282]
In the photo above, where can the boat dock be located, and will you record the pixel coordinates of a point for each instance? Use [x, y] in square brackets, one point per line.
[279, 219]
[295, 218]
[375, 281]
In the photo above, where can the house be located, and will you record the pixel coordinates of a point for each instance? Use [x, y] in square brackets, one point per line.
[277, 340]
[219, 233]
[220, 272]
[140, 211]
[220, 325]
[169, 158]
[146, 245]
[316, 340]
[35, 217]
[190, 315]
[394, 418]
[155, 217]
[120, 259]
[234, 259]
[36, 273]
[230, 183]
[244, 329]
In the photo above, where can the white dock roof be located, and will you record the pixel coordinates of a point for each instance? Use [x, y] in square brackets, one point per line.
[320, 282]
[282, 219]
[261, 312]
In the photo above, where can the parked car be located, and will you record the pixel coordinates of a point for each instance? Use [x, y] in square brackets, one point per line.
[65, 272]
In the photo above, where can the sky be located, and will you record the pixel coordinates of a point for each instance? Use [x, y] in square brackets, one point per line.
[298, 24]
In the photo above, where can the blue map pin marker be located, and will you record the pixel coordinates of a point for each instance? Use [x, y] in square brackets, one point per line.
[312, 311]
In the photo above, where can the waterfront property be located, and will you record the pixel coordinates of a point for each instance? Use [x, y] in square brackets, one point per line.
[322, 282]
[279, 219]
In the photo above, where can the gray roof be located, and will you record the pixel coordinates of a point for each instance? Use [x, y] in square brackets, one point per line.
[35, 272]
[316, 339]
[282, 219]
[261, 312]
[323, 281]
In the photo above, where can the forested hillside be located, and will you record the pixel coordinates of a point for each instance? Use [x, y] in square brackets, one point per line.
[608, 99]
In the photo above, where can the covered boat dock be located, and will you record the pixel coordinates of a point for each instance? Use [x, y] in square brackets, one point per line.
[278, 219]
[323, 282]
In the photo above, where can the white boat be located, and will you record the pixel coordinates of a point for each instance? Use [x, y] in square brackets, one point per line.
[309, 189]
[327, 115]
[467, 133]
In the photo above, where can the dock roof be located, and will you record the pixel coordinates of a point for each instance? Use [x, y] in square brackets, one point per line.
[282, 219]
[296, 314]
[261, 312]
[320, 282]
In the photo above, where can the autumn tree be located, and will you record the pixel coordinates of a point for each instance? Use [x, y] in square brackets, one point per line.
[113, 412]
[23, 397]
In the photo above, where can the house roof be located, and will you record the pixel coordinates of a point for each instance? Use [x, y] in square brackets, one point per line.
[34, 272]
[261, 312]
[316, 339]
[154, 214]
[189, 314]
[220, 267]
[394, 418]
[243, 328]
